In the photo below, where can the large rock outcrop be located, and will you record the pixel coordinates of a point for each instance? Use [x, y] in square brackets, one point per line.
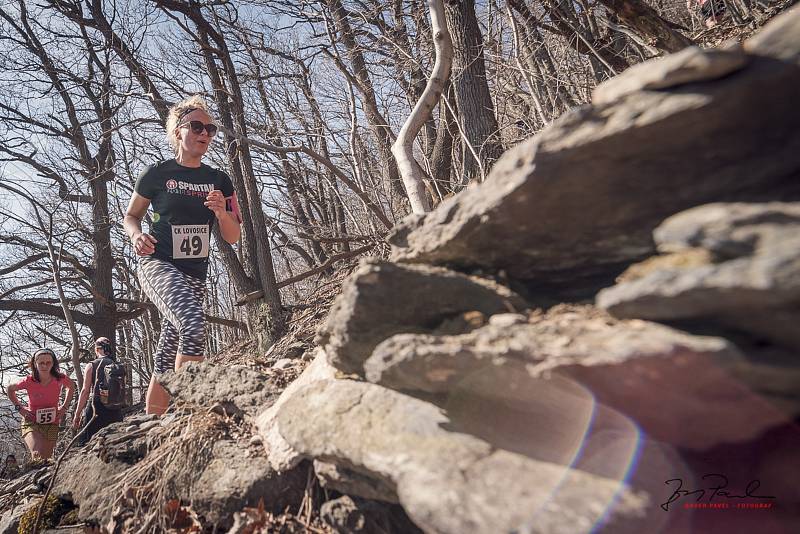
[281, 455]
[448, 481]
[423, 299]
[232, 389]
[469, 423]
[622, 363]
[737, 265]
[566, 211]
[194, 458]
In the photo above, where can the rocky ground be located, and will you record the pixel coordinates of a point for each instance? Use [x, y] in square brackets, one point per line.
[611, 314]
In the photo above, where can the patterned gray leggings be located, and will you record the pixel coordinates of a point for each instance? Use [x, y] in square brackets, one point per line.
[179, 298]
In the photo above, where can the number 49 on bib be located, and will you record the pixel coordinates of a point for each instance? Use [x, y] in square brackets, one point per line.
[190, 241]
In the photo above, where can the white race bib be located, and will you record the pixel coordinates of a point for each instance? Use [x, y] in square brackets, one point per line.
[189, 241]
[46, 416]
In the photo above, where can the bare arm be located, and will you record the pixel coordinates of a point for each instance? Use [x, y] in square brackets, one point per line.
[229, 228]
[228, 222]
[11, 391]
[70, 385]
[85, 391]
[143, 244]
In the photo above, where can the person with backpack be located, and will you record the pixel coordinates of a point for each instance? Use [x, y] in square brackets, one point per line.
[188, 200]
[42, 414]
[104, 380]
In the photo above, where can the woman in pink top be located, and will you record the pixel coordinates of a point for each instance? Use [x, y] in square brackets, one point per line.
[41, 416]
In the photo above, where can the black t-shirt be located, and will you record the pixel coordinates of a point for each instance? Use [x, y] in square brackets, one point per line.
[181, 223]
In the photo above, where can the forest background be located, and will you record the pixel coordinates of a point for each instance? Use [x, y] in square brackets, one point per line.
[310, 97]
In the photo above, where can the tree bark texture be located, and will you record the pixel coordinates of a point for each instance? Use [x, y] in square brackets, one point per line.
[442, 156]
[475, 107]
[649, 24]
[579, 38]
[378, 124]
[403, 148]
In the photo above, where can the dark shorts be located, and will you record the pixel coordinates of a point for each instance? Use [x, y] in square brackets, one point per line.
[104, 418]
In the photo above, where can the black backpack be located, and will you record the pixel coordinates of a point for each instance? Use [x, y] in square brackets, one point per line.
[109, 385]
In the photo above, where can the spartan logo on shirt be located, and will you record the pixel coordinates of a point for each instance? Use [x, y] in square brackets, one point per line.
[180, 187]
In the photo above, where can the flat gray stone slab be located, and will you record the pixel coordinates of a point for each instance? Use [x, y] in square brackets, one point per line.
[449, 482]
[658, 376]
[381, 299]
[736, 265]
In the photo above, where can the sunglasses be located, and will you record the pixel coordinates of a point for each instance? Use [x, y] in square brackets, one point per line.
[198, 127]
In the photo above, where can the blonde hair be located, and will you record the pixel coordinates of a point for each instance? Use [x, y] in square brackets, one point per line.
[176, 113]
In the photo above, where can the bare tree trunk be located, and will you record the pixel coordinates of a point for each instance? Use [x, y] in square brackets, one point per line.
[124, 354]
[475, 108]
[403, 63]
[540, 60]
[403, 148]
[521, 48]
[646, 21]
[73, 331]
[442, 156]
[102, 165]
[378, 124]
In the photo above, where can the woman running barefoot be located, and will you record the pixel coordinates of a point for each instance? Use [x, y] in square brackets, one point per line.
[41, 416]
[188, 198]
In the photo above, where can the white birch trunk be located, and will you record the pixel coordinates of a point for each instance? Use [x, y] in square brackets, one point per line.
[403, 148]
